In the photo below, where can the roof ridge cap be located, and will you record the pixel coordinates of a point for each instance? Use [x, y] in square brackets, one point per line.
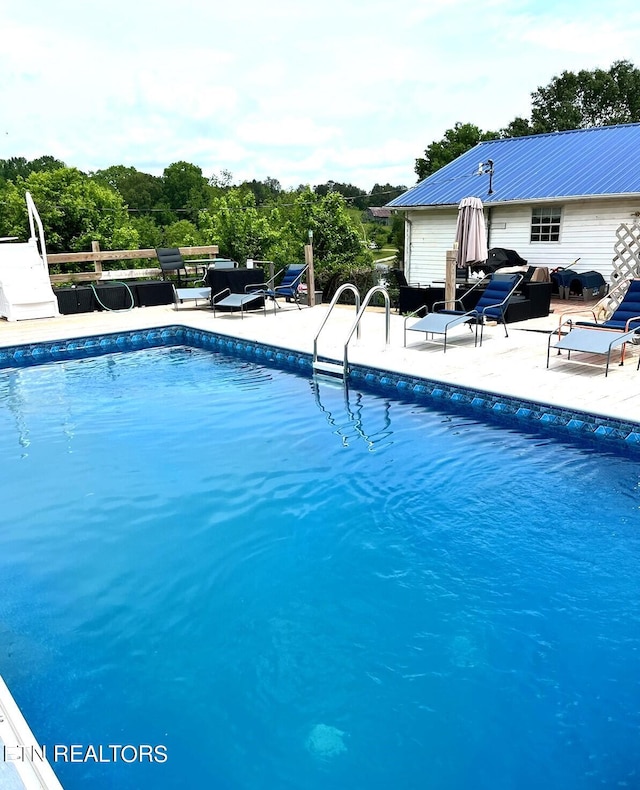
[560, 131]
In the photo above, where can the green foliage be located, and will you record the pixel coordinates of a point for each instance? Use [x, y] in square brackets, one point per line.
[222, 181]
[182, 233]
[150, 235]
[396, 234]
[125, 237]
[19, 167]
[185, 190]
[384, 193]
[519, 127]
[13, 211]
[356, 197]
[378, 234]
[339, 255]
[588, 98]
[242, 231]
[455, 142]
[335, 239]
[141, 192]
[234, 223]
[74, 209]
[263, 191]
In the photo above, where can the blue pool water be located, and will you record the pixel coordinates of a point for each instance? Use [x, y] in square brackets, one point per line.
[286, 590]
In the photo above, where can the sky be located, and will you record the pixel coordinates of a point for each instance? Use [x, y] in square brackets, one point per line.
[302, 92]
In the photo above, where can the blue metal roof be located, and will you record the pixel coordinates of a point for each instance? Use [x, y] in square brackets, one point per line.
[583, 163]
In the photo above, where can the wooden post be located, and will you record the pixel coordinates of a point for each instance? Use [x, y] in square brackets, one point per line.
[311, 280]
[97, 265]
[450, 280]
[308, 259]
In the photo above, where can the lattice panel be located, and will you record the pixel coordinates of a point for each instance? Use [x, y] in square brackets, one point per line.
[626, 264]
[626, 261]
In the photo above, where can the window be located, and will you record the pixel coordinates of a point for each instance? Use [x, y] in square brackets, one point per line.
[545, 223]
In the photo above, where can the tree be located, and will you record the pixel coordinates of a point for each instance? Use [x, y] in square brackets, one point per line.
[141, 192]
[18, 166]
[263, 191]
[455, 142]
[182, 233]
[396, 234]
[13, 211]
[588, 98]
[222, 181]
[339, 255]
[519, 127]
[357, 197]
[383, 193]
[150, 235]
[76, 210]
[234, 223]
[185, 189]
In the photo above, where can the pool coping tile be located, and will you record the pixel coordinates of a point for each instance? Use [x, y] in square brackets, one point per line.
[573, 421]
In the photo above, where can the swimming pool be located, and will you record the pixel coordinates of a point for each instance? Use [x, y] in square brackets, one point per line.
[287, 590]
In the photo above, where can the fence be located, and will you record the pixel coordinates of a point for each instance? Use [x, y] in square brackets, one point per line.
[97, 258]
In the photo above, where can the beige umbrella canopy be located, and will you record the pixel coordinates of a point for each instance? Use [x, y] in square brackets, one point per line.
[470, 240]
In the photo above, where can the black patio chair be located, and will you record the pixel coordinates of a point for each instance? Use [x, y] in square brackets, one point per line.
[172, 263]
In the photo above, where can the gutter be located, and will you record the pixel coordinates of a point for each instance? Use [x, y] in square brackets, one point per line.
[529, 201]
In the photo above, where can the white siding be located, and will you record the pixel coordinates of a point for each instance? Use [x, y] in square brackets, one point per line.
[588, 232]
[430, 235]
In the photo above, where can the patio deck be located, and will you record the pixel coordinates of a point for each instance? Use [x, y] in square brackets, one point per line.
[513, 366]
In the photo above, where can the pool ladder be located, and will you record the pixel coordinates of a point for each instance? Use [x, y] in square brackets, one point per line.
[334, 367]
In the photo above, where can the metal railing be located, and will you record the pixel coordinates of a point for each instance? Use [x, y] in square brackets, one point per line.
[334, 301]
[343, 369]
[356, 324]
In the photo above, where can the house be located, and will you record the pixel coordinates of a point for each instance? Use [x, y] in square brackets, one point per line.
[379, 214]
[553, 198]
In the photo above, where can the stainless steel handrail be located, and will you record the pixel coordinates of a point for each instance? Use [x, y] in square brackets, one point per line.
[356, 324]
[336, 296]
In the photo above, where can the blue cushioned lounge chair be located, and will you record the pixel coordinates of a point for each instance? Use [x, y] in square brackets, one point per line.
[626, 316]
[601, 337]
[288, 286]
[492, 304]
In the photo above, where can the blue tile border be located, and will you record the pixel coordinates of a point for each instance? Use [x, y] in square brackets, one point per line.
[575, 423]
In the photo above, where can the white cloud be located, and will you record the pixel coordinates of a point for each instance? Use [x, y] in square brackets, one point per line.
[581, 36]
[299, 92]
[286, 131]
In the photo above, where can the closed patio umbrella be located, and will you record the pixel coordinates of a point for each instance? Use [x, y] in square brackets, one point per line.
[470, 240]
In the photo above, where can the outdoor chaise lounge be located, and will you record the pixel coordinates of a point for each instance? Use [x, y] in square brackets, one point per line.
[172, 262]
[492, 305]
[593, 341]
[602, 337]
[197, 294]
[233, 301]
[288, 285]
